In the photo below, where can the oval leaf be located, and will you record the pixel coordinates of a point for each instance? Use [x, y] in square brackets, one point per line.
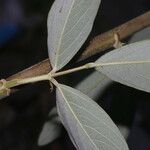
[69, 24]
[93, 85]
[51, 129]
[129, 65]
[141, 35]
[89, 127]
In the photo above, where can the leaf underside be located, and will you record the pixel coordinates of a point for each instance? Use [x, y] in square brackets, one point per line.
[141, 35]
[89, 127]
[136, 75]
[93, 85]
[2, 97]
[51, 129]
[69, 24]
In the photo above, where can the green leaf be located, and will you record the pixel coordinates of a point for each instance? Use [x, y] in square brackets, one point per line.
[51, 129]
[69, 24]
[129, 65]
[89, 127]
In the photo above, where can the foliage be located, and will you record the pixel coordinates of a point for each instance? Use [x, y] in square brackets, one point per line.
[88, 125]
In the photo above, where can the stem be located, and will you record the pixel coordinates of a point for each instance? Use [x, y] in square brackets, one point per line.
[14, 83]
[6, 85]
[107, 40]
[86, 66]
[33, 79]
[95, 65]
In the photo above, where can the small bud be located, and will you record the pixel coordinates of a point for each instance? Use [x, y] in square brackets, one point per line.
[2, 84]
[118, 43]
[4, 91]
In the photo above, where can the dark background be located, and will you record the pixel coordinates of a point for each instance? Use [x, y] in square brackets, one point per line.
[23, 42]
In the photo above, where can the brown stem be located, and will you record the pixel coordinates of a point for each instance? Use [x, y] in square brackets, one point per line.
[38, 69]
[107, 40]
[98, 44]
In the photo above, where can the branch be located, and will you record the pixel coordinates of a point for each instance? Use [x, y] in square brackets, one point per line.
[107, 40]
[38, 69]
[97, 45]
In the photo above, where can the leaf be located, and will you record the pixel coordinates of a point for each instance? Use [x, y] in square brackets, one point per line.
[129, 65]
[2, 97]
[141, 35]
[89, 127]
[124, 131]
[93, 84]
[51, 129]
[69, 24]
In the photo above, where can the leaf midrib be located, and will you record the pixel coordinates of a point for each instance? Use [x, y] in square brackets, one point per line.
[59, 44]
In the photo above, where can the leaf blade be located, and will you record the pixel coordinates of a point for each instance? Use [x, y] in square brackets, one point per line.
[69, 24]
[51, 129]
[141, 35]
[93, 85]
[132, 71]
[89, 132]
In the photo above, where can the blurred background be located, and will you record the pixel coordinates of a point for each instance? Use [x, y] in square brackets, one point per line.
[23, 42]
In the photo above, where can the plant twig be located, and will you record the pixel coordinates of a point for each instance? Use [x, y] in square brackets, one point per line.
[98, 44]
[96, 65]
[107, 40]
[6, 85]
[38, 69]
